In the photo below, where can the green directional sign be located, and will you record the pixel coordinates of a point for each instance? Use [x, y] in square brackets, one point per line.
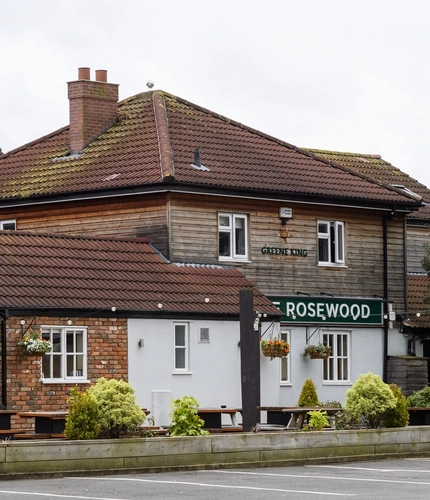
[330, 310]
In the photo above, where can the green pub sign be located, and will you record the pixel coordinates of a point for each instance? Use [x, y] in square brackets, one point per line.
[330, 310]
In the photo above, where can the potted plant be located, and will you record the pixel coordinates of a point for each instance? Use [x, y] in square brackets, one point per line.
[317, 351]
[31, 343]
[275, 348]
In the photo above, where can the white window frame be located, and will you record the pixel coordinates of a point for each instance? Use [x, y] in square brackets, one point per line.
[335, 238]
[4, 222]
[183, 346]
[285, 363]
[339, 361]
[78, 373]
[230, 230]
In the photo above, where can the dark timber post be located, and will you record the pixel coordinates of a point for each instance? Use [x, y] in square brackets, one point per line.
[250, 361]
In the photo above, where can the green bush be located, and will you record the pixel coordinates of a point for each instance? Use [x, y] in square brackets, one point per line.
[331, 404]
[317, 420]
[185, 421]
[369, 398]
[82, 421]
[308, 396]
[420, 398]
[399, 415]
[345, 420]
[119, 414]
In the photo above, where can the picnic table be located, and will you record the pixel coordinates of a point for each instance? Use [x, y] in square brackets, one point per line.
[46, 422]
[213, 417]
[293, 417]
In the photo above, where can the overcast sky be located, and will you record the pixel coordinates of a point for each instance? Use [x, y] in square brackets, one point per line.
[342, 75]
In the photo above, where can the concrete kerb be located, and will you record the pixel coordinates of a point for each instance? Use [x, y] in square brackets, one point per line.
[131, 455]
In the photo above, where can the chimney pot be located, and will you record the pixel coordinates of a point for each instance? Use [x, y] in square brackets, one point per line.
[101, 75]
[84, 74]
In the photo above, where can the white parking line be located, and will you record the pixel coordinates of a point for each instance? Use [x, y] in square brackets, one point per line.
[337, 478]
[76, 497]
[366, 468]
[224, 486]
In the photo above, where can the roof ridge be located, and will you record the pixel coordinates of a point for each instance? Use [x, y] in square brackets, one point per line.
[163, 135]
[36, 141]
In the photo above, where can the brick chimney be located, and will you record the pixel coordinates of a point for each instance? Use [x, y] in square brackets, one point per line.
[93, 107]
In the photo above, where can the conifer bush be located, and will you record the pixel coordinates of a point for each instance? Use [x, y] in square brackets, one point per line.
[119, 414]
[369, 399]
[82, 421]
[399, 415]
[309, 396]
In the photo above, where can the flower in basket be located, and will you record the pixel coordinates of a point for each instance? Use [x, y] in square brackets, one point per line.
[317, 351]
[275, 348]
[31, 343]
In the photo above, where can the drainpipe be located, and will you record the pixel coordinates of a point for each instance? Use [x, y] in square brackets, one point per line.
[3, 359]
[385, 279]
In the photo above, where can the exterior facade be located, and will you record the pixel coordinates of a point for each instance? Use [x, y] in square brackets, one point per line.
[326, 243]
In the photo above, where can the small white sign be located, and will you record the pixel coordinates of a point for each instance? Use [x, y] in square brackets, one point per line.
[285, 212]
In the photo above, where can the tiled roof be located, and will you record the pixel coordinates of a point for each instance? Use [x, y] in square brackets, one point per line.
[418, 287]
[154, 141]
[375, 167]
[66, 272]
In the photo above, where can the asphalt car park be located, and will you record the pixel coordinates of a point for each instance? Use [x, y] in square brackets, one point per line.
[388, 479]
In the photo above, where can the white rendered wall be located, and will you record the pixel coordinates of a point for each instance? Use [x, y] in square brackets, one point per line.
[214, 377]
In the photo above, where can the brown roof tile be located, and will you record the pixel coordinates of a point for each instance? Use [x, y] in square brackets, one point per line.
[418, 287]
[66, 272]
[145, 149]
[375, 167]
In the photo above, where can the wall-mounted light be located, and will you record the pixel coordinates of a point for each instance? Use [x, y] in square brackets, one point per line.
[160, 305]
[69, 322]
[141, 343]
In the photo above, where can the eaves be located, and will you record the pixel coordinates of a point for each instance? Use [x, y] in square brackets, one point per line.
[172, 186]
[107, 313]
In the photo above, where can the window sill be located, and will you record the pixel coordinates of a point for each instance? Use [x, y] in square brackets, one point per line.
[286, 384]
[329, 265]
[182, 373]
[237, 261]
[336, 382]
[65, 381]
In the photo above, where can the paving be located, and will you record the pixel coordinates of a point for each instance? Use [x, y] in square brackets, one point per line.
[387, 479]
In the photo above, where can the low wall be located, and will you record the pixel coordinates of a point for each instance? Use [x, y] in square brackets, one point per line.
[61, 457]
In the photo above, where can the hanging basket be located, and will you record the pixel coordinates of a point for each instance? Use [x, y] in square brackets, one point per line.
[272, 352]
[318, 355]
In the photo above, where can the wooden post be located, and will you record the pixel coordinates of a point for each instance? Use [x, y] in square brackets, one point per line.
[250, 361]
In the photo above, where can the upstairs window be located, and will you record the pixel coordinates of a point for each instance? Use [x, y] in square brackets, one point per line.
[232, 236]
[331, 243]
[68, 357]
[8, 224]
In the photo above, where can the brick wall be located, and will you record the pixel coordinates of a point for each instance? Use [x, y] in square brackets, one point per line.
[107, 357]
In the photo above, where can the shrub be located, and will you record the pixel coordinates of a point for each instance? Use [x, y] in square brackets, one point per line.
[345, 420]
[308, 396]
[82, 421]
[185, 421]
[317, 420]
[420, 398]
[331, 404]
[369, 398]
[119, 414]
[399, 415]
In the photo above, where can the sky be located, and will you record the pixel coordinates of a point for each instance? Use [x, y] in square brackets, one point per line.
[341, 75]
